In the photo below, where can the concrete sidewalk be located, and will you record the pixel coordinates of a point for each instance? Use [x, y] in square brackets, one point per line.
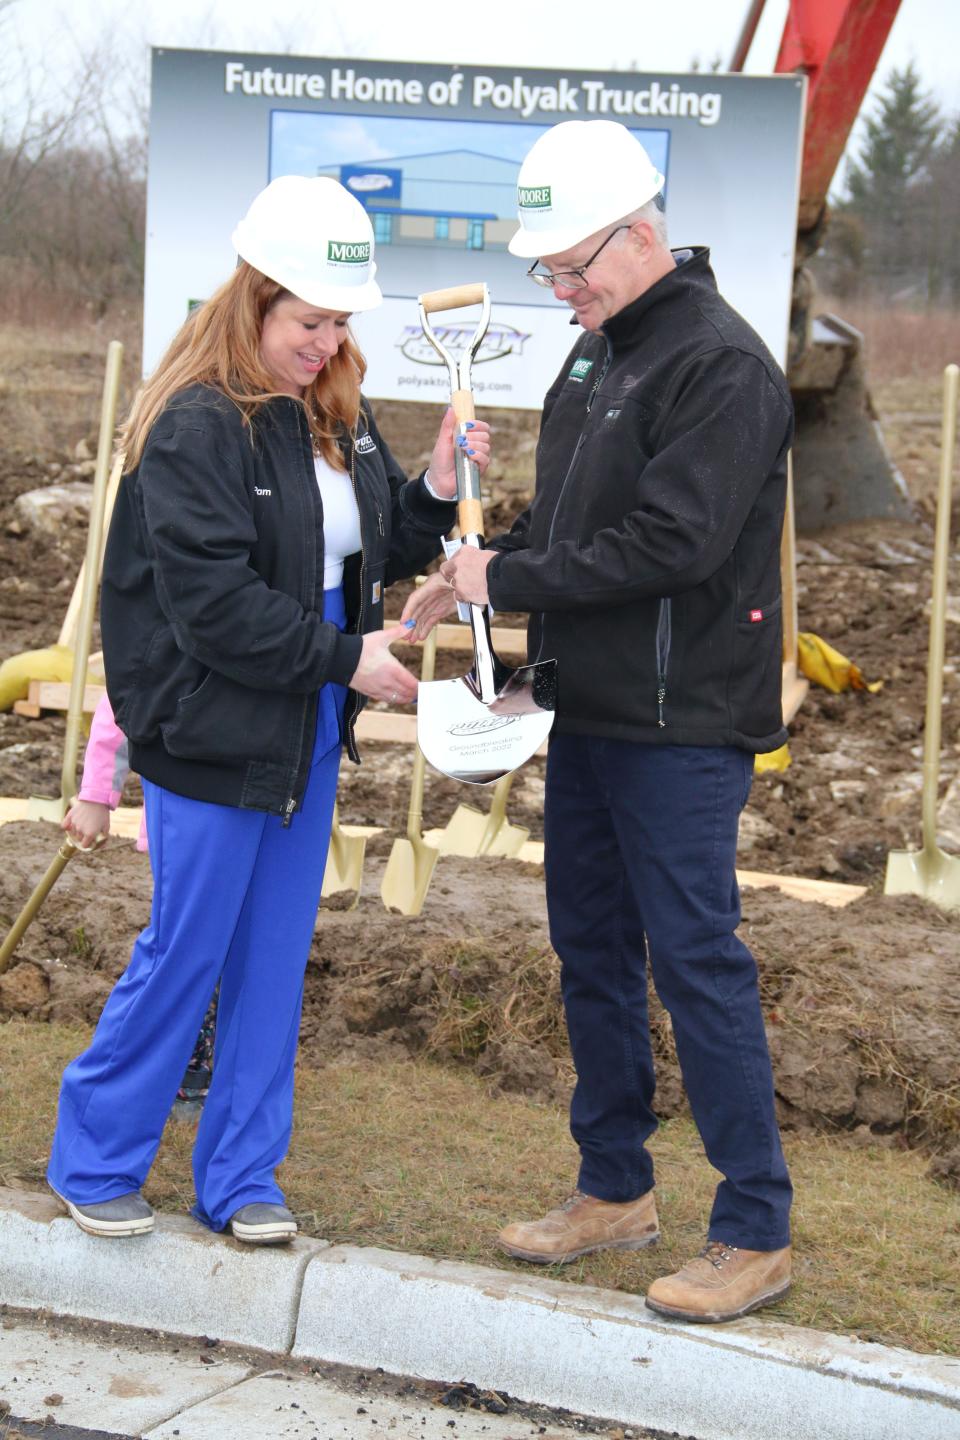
[97, 1383]
[547, 1342]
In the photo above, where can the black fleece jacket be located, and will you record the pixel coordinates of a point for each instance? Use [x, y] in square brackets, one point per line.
[650, 555]
[214, 640]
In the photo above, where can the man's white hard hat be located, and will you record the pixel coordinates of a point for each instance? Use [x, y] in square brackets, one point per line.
[314, 239]
[578, 177]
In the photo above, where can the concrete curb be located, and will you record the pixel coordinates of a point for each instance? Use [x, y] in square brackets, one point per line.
[544, 1341]
[182, 1278]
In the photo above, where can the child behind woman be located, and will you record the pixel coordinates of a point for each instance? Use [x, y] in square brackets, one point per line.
[106, 766]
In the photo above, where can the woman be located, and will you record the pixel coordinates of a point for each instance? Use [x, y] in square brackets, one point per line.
[259, 520]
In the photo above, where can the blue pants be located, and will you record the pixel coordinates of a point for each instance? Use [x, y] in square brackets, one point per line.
[640, 853]
[235, 899]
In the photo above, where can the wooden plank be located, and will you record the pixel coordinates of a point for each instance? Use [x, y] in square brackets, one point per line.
[387, 725]
[124, 821]
[55, 695]
[801, 887]
[794, 687]
[505, 641]
[788, 571]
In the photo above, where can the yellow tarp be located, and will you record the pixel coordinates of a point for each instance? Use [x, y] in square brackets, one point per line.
[827, 667]
[773, 760]
[54, 663]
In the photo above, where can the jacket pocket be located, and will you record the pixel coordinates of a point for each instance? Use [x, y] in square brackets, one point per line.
[226, 723]
[374, 583]
[757, 673]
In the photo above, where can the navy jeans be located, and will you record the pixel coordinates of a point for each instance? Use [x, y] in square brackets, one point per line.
[640, 853]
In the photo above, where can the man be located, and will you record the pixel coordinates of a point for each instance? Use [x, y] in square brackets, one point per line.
[649, 563]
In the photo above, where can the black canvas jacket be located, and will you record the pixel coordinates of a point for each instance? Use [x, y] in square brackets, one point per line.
[214, 640]
[650, 556]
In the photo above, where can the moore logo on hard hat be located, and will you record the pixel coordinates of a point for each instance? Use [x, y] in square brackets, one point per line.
[534, 197]
[348, 252]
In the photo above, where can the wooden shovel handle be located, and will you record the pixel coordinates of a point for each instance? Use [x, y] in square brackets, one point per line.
[453, 299]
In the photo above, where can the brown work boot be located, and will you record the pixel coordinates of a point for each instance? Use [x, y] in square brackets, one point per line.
[580, 1225]
[722, 1283]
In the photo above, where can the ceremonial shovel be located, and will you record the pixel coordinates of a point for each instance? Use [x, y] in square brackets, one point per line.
[412, 861]
[930, 871]
[485, 725]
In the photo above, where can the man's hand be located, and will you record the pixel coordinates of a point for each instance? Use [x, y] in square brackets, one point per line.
[427, 605]
[466, 572]
[379, 675]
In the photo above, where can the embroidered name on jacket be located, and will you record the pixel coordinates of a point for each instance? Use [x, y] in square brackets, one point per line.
[258, 491]
[364, 444]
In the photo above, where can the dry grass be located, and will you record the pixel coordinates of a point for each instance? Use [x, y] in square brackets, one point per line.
[51, 380]
[900, 343]
[417, 1157]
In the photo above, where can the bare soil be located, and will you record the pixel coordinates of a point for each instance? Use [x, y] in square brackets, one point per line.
[862, 1003]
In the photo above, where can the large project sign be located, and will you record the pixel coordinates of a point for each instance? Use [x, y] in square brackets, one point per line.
[433, 152]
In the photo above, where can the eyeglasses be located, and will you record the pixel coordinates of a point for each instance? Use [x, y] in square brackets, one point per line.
[570, 279]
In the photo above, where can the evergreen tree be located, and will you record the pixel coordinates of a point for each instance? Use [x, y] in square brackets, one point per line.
[889, 183]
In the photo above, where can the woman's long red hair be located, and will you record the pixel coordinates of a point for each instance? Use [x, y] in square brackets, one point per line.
[219, 344]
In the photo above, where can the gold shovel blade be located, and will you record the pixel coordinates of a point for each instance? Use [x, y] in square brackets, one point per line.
[477, 743]
[930, 872]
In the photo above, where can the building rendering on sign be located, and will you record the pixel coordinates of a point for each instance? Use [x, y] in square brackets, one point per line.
[457, 199]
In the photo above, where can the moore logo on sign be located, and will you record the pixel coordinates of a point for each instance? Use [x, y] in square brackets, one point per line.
[348, 252]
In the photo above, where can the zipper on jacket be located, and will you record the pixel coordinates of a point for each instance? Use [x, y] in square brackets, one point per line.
[379, 523]
[350, 724]
[573, 460]
[288, 810]
[664, 636]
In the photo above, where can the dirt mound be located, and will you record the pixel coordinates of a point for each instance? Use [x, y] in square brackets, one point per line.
[860, 1003]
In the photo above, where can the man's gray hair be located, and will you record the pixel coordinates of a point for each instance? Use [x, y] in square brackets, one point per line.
[654, 215]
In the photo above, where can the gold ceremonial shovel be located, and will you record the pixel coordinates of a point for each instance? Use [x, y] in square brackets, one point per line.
[67, 849]
[413, 860]
[930, 871]
[486, 724]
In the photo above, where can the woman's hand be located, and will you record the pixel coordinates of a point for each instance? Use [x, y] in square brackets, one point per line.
[476, 444]
[379, 675]
[427, 605]
[87, 822]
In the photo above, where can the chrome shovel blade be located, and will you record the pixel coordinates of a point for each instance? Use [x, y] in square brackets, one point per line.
[478, 743]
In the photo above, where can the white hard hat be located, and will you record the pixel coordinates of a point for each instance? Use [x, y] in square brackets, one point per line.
[314, 239]
[578, 177]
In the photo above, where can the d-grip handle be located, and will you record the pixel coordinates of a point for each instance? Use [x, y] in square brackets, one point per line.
[454, 298]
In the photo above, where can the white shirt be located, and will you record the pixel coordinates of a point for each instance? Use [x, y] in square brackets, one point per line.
[341, 520]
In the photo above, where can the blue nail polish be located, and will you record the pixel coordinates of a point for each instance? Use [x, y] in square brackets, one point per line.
[471, 452]
[470, 425]
[410, 624]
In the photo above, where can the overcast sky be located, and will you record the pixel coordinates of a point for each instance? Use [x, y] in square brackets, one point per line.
[649, 35]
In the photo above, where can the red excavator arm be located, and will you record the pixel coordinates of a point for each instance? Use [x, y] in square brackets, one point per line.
[841, 468]
[836, 44]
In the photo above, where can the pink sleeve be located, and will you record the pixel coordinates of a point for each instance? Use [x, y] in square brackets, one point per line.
[106, 763]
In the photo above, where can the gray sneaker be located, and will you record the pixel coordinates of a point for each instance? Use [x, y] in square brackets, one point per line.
[262, 1224]
[126, 1215]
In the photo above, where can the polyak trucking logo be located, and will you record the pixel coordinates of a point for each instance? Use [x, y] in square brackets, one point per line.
[534, 197]
[482, 726]
[499, 341]
[364, 444]
[580, 370]
[348, 252]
